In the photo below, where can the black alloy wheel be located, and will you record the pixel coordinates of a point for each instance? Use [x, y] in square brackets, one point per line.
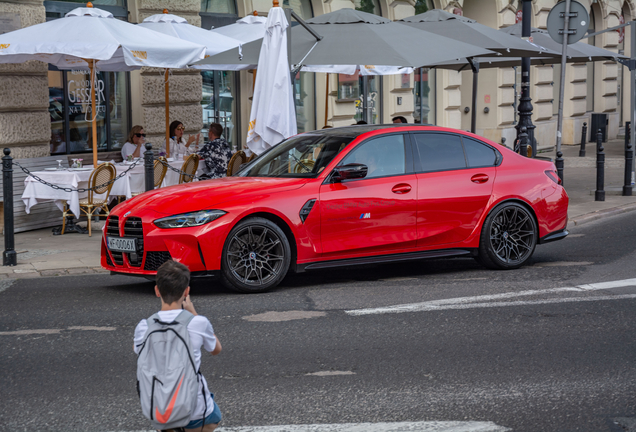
[256, 256]
[508, 237]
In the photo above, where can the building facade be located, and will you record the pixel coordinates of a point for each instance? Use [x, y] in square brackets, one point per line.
[43, 110]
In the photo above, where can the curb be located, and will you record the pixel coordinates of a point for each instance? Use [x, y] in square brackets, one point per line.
[590, 217]
[77, 271]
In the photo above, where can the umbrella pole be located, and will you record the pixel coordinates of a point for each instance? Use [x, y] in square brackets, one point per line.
[91, 66]
[474, 64]
[167, 98]
[327, 100]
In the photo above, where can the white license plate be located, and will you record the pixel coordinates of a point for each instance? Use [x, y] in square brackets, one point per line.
[119, 244]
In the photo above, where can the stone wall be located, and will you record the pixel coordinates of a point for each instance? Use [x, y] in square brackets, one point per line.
[24, 115]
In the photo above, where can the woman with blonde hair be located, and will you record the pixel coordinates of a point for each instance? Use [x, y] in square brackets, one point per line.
[134, 143]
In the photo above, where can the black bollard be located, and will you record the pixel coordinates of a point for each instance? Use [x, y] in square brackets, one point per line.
[583, 139]
[149, 167]
[9, 257]
[503, 141]
[523, 142]
[599, 195]
[629, 160]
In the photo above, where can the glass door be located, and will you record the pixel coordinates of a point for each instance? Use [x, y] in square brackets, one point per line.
[219, 104]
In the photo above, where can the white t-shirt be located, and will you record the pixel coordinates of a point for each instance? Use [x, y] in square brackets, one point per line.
[128, 149]
[201, 335]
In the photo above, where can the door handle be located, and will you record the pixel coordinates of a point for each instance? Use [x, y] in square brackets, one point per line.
[401, 188]
[479, 178]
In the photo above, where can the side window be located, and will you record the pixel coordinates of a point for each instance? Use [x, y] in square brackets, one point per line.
[440, 152]
[384, 156]
[478, 154]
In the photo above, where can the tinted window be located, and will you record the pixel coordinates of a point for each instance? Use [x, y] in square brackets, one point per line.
[304, 155]
[478, 154]
[440, 152]
[384, 156]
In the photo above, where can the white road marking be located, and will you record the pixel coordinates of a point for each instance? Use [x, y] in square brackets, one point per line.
[54, 331]
[424, 426]
[6, 283]
[284, 316]
[330, 373]
[478, 301]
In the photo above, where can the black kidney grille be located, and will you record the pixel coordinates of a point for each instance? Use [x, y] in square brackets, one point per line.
[112, 230]
[134, 228]
[155, 259]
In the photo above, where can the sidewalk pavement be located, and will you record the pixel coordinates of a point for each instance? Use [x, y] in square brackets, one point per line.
[40, 253]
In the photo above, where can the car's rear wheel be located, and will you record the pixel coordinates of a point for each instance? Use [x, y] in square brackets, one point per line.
[508, 237]
[256, 256]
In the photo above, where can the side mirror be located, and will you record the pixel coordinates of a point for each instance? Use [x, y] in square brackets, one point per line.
[348, 172]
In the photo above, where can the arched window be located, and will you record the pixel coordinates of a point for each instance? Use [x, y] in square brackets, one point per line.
[370, 6]
[301, 7]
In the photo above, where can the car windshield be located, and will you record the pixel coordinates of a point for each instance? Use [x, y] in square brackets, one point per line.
[303, 156]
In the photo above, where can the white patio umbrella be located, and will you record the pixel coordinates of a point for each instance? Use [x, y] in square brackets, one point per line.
[91, 38]
[176, 26]
[273, 116]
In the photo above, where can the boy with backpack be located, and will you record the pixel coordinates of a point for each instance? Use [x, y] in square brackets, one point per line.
[172, 390]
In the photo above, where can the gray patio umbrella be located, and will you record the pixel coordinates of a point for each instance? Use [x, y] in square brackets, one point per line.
[578, 52]
[465, 29]
[352, 37]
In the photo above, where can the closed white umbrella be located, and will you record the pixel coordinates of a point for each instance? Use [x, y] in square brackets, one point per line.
[90, 38]
[176, 26]
[273, 117]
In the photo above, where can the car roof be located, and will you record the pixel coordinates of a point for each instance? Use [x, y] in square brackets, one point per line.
[356, 130]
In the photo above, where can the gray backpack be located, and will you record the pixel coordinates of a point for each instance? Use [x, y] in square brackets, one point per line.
[167, 380]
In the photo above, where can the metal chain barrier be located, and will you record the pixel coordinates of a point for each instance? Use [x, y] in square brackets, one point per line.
[65, 189]
[178, 171]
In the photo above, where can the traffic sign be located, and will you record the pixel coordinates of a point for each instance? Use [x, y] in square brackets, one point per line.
[579, 22]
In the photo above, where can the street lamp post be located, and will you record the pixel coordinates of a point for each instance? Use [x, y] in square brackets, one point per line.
[525, 104]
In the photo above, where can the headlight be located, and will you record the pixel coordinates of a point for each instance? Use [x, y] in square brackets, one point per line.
[186, 220]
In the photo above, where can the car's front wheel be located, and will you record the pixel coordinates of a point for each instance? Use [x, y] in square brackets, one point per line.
[256, 256]
[508, 237]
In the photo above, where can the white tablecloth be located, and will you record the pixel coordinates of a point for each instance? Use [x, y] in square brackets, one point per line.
[132, 182]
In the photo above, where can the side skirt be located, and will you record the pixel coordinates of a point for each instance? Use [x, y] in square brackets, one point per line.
[557, 235]
[443, 253]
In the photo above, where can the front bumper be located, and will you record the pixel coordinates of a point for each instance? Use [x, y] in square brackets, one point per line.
[199, 248]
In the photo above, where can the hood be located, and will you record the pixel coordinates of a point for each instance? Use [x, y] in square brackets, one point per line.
[207, 194]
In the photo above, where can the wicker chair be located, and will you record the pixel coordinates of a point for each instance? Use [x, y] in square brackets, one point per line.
[160, 169]
[189, 168]
[235, 163]
[104, 173]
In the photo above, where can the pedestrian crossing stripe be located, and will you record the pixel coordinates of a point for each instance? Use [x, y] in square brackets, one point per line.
[424, 426]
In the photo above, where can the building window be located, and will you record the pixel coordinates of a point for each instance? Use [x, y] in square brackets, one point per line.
[220, 93]
[369, 6]
[70, 111]
[424, 90]
[302, 7]
[305, 101]
[422, 6]
[219, 6]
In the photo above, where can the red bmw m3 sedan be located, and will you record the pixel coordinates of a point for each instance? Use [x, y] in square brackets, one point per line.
[345, 196]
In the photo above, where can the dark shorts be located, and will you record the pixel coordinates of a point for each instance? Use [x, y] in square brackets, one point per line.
[214, 418]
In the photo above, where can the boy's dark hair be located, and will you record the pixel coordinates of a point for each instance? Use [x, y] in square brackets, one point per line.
[216, 129]
[172, 280]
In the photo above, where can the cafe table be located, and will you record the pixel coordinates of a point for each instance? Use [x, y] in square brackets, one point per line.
[77, 178]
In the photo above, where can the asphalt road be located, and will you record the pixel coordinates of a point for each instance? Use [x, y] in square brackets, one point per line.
[543, 348]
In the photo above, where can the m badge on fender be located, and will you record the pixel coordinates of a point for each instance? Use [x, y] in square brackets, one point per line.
[365, 216]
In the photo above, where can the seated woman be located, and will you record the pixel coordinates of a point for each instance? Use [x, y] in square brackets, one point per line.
[134, 143]
[177, 143]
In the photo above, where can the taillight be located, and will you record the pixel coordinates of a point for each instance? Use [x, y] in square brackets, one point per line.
[553, 176]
